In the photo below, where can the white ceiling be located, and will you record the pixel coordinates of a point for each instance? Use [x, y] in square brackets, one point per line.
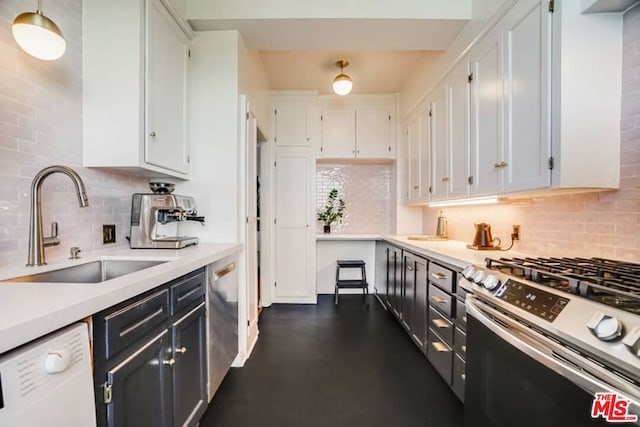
[372, 71]
[300, 43]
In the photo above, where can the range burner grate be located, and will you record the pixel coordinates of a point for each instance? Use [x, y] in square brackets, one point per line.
[610, 282]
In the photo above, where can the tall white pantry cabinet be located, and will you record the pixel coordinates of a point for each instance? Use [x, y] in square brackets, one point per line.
[135, 58]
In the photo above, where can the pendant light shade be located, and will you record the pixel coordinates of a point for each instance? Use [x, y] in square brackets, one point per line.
[342, 84]
[38, 35]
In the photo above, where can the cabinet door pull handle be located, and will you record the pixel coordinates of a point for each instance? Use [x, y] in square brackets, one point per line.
[181, 350]
[500, 165]
[464, 348]
[169, 362]
[464, 319]
[438, 299]
[415, 187]
[440, 323]
[153, 134]
[438, 276]
[439, 347]
[463, 376]
[445, 179]
[409, 268]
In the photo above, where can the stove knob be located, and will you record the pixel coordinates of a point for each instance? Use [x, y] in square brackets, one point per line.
[490, 282]
[632, 341]
[605, 327]
[468, 272]
[478, 276]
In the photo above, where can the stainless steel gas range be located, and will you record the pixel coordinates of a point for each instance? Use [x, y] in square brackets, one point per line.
[552, 341]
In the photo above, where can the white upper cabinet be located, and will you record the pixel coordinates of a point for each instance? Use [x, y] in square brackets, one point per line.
[486, 147]
[358, 127]
[293, 124]
[413, 144]
[457, 90]
[338, 133]
[439, 144]
[135, 56]
[373, 132]
[167, 56]
[424, 161]
[498, 128]
[526, 50]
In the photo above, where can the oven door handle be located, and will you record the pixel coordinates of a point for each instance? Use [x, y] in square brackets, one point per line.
[580, 371]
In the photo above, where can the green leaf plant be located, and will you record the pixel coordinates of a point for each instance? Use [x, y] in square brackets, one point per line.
[333, 210]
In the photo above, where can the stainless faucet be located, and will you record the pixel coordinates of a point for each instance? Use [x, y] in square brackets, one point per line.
[37, 243]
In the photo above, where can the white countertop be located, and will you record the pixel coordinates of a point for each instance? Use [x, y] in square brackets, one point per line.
[338, 236]
[31, 310]
[453, 252]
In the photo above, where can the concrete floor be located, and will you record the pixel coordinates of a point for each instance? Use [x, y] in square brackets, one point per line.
[322, 365]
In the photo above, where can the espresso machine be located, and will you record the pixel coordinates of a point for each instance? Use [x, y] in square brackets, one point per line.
[155, 218]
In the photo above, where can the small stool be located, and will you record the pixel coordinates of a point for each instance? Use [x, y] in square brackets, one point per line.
[351, 283]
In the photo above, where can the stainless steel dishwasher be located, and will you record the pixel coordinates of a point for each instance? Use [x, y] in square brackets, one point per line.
[222, 320]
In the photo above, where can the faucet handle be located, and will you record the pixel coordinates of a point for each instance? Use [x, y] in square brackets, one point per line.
[52, 240]
[54, 229]
[73, 252]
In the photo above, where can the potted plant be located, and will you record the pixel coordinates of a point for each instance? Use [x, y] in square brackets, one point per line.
[332, 211]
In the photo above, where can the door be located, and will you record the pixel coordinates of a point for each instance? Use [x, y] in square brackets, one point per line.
[140, 387]
[457, 87]
[413, 143]
[292, 125]
[338, 133]
[439, 173]
[190, 369]
[486, 157]
[373, 132]
[508, 376]
[525, 35]
[408, 296]
[251, 227]
[425, 136]
[165, 95]
[294, 237]
[419, 329]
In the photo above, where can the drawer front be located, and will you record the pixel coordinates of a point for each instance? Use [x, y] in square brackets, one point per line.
[440, 300]
[440, 355]
[441, 325]
[443, 277]
[129, 324]
[461, 315]
[460, 342]
[459, 377]
[187, 293]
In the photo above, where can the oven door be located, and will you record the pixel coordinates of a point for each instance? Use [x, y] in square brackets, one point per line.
[515, 376]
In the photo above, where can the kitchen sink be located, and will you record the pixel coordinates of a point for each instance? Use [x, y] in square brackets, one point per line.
[428, 238]
[91, 272]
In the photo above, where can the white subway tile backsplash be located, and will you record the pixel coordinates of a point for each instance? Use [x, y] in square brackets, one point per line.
[368, 190]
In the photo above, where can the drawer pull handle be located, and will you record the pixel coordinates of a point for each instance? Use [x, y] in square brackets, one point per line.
[409, 268]
[463, 376]
[169, 362]
[445, 178]
[438, 276]
[439, 299]
[149, 318]
[464, 348]
[440, 323]
[464, 319]
[181, 350]
[224, 271]
[439, 347]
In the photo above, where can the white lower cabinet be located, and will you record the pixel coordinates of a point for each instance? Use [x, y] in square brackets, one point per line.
[294, 226]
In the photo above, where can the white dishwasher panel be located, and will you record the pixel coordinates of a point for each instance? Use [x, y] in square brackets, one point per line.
[49, 382]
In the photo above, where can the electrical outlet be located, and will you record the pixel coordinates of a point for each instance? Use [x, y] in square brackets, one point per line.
[108, 233]
[515, 234]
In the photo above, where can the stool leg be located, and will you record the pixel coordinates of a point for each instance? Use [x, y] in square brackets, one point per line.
[336, 296]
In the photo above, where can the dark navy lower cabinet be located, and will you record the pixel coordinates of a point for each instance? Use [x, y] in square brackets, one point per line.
[150, 357]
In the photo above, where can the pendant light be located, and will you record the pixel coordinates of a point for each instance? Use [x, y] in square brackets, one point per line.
[342, 83]
[38, 35]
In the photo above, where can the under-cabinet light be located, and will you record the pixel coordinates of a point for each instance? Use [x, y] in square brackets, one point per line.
[463, 202]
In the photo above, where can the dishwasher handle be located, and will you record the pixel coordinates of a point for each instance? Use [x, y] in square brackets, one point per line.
[224, 271]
